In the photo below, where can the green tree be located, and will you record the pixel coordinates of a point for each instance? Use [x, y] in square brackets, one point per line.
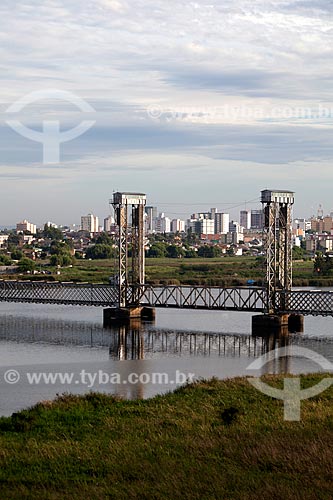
[58, 247]
[16, 254]
[61, 259]
[53, 233]
[191, 253]
[26, 264]
[209, 251]
[298, 253]
[174, 251]
[60, 254]
[100, 251]
[157, 250]
[4, 260]
[103, 239]
[13, 240]
[323, 264]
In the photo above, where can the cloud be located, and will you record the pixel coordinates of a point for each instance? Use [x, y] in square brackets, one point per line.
[113, 5]
[189, 58]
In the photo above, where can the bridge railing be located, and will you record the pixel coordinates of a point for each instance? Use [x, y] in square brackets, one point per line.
[203, 297]
[58, 293]
[197, 297]
[253, 299]
[309, 302]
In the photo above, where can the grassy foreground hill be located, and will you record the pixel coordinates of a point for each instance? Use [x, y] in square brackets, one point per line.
[211, 440]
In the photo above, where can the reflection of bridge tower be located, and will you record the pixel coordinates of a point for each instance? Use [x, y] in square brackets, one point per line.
[128, 280]
[278, 242]
[130, 342]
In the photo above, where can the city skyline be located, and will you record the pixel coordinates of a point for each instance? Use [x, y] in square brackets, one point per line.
[234, 215]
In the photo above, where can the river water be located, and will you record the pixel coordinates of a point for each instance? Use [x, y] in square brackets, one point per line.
[47, 350]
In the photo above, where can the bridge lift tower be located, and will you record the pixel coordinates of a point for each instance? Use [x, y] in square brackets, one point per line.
[277, 210]
[129, 212]
[277, 229]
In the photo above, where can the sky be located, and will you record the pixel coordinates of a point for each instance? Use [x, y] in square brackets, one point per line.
[198, 104]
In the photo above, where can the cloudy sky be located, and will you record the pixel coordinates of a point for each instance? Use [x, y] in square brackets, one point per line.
[198, 104]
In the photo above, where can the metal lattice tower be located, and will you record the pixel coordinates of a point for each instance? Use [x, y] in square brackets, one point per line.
[277, 210]
[121, 203]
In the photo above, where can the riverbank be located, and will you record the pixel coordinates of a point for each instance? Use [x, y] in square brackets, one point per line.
[210, 440]
[220, 271]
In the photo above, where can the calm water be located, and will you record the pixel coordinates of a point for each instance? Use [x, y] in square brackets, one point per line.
[60, 340]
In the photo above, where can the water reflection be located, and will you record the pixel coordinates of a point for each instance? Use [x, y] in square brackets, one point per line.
[138, 341]
[30, 343]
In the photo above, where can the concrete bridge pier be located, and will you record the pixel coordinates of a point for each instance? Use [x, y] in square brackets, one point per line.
[280, 324]
[116, 315]
[296, 323]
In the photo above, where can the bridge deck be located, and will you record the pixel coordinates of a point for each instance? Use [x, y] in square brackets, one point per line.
[251, 299]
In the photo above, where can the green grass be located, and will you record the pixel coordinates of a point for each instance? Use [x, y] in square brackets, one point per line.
[222, 271]
[177, 446]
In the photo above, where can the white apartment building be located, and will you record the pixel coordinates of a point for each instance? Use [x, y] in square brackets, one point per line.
[177, 226]
[26, 226]
[207, 226]
[162, 224]
[89, 223]
[108, 223]
[237, 232]
[201, 226]
[221, 223]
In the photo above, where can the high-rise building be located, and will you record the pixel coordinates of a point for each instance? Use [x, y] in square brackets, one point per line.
[221, 223]
[235, 227]
[23, 226]
[245, 219]
[206, 226]
[257, 219]
[201, 226]
[322, 225]
[162, 224]
[108, 223]
[201, 215]
[51, 224]
[151, 216]
[89, 223]
[177, 226]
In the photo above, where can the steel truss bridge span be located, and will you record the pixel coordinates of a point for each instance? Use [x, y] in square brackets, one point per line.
[204, 297]
[79, 294]
[306, 302]
[84, 294]
[247, 299]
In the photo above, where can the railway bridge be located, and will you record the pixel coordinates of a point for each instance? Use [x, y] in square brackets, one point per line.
[129, 296]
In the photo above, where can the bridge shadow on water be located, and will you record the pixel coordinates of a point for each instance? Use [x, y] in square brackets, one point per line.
[139, 340]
